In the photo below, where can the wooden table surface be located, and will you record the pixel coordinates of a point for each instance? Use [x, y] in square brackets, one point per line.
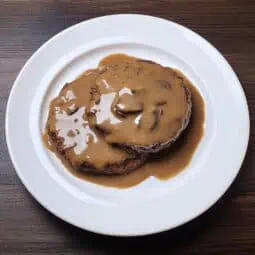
[27, 228]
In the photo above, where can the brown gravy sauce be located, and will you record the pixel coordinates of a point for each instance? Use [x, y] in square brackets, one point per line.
[138, 102]
[162, 165]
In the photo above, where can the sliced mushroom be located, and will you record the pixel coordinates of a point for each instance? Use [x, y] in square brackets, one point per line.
[127, 104]
[133, 108]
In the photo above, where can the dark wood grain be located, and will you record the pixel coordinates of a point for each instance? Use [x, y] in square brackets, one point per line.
[27, 228]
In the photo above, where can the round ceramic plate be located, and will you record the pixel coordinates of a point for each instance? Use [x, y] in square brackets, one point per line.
[153, 205]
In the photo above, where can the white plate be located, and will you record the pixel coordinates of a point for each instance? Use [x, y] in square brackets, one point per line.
[154, 205]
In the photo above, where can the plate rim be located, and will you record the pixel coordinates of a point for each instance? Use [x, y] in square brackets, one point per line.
[152, 231]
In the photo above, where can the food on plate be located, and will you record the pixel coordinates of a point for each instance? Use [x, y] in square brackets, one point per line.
[126, 114]
[81, 146]
[139, 105]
